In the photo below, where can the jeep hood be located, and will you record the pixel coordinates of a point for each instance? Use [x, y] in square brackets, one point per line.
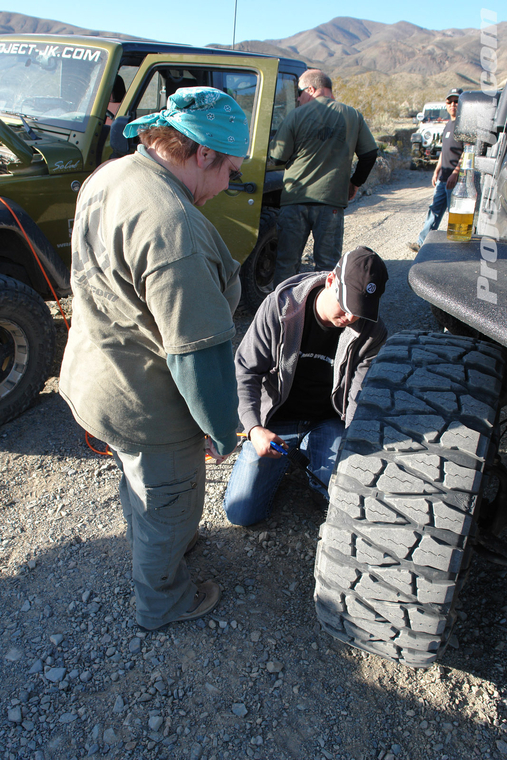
[60, 156]
[16, 144]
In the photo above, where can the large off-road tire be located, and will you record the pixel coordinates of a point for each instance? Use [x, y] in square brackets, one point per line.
[405, 496]
[27, 344]
[258, 270]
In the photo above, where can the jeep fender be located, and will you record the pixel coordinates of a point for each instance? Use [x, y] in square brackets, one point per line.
[17, 259]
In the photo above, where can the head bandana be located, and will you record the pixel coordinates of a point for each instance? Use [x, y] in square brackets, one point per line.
[206, 115]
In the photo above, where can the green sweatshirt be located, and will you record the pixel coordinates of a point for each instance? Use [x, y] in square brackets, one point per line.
[151, 277]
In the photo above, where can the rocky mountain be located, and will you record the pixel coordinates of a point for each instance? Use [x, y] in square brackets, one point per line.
[347, 47]
[16, 23]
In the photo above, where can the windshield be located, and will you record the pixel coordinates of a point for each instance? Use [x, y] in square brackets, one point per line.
[436, 114]
[55, 84]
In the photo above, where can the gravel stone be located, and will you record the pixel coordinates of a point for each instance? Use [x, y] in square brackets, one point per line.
[155, 722]
[110, 736]
[14, 654]
[135, 645]
[56, 674]
[68, 718]
[274, 666]
[15, 715]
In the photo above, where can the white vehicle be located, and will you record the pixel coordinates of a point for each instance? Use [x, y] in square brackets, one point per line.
[427, 140]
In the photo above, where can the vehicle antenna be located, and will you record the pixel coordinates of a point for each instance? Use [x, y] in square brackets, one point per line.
[234, 25]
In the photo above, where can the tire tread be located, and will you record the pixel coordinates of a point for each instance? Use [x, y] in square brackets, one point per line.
[393, 550]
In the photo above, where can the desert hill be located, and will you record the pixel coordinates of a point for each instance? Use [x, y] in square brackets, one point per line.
[348, 47]
[18, 23]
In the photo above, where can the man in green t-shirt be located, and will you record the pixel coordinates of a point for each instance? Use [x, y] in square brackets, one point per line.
[317, 143]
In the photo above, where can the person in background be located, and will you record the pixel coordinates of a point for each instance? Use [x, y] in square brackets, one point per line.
[317, 143]
[148, 367]
[446, 172]
[300, 368]
[117, 95]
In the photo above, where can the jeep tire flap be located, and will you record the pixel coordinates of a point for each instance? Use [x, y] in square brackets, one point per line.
[14, 248]
[406, 494]
[27, 344]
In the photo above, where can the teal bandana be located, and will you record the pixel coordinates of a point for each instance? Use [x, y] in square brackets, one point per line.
[206, 115]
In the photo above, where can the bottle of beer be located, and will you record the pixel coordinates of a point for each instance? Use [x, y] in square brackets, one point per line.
[463, 198]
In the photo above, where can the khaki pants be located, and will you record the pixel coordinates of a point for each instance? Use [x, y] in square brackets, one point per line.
[162, 496]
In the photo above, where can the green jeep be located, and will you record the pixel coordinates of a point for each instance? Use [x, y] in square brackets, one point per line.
[64, 102]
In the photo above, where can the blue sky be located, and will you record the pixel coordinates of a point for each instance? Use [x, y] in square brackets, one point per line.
[202, 22]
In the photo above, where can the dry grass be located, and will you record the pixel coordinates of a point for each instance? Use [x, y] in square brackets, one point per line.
[382, 98]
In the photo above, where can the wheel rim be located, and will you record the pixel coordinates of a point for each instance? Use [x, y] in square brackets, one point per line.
[13, 356]
[265, 269]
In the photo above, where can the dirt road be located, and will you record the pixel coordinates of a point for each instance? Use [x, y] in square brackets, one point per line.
[386, 221]
[258, 679]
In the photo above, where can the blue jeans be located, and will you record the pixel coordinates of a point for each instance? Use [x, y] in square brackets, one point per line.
[295, 222]
[439, 204]
[255, 480]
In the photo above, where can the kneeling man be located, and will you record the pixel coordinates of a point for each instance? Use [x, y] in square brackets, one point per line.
[299, 369]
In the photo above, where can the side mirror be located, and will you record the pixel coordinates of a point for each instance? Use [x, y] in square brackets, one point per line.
[475, 118]
[420, 116]
[119, 143]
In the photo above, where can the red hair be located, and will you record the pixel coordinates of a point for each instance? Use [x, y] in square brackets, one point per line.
[176, 146]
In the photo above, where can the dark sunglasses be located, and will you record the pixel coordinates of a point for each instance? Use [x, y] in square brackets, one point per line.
[235, 174]
[301, 91]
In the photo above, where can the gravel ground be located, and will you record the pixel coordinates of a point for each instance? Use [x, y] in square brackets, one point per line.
[256, 679]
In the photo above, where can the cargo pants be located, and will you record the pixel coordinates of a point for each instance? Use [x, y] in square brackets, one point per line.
[162, 496]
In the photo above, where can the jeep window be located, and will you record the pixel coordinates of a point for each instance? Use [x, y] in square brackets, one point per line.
[285, 99]
[241, 85]
[53, 84]
[435, 114]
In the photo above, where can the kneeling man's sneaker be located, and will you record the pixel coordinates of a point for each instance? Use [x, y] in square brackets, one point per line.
[413, 246]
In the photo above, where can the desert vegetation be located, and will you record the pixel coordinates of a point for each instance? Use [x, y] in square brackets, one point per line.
[383, 99]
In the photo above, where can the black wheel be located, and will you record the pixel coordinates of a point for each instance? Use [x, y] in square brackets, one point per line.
[414, 165]
[258, 270]
[405, 496]
[27, 343]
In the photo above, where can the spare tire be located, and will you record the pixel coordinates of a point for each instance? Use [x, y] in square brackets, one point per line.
[405, 496]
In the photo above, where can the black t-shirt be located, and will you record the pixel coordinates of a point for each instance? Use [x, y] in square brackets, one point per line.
[310, 394]
[451, 151]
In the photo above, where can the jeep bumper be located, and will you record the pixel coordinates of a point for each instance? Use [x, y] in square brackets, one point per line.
[455, 278]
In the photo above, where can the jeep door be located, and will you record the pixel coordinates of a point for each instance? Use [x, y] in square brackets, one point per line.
[252, 82]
